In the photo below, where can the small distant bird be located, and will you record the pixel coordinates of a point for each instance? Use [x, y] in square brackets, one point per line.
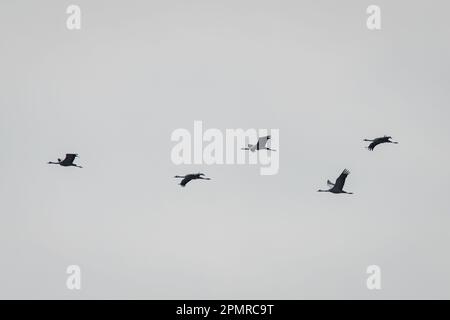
[68, 161]
[377, 141]
[338, 186]
[260, 145]
[189, 177]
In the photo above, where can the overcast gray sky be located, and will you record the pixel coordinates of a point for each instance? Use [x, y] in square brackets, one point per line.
[114, 91]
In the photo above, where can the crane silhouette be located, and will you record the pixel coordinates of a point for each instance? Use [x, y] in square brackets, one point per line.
[377, 141]
[260, 145]
[189, 177]
[68, 161]
[338, 186]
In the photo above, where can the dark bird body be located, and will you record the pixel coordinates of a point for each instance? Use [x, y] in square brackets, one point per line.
[189, 177]
[260, 145]
[377, 141]
[68, 161]
[338, 186]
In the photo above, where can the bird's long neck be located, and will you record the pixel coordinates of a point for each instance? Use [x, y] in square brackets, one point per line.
[53, 162]
[367, 140]
[323, 190]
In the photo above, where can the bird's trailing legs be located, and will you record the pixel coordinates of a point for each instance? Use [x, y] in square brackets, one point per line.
[180, 177]
[368, 140]
[75, 165]
[321, 190]
[200, 176]
[250, 147]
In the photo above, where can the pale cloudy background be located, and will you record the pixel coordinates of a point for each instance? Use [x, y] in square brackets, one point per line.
[137, 70]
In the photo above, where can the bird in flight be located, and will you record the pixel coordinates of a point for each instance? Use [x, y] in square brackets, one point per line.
[338, 186]
[68, 161]
[189, 177]
[377, 141]
[260, 145]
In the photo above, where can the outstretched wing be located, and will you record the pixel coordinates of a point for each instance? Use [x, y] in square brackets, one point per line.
[262, 141]
[373, 145]
[70, 157]
[330, 184]
[340, 181]
[186, 180]
[378, 141]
